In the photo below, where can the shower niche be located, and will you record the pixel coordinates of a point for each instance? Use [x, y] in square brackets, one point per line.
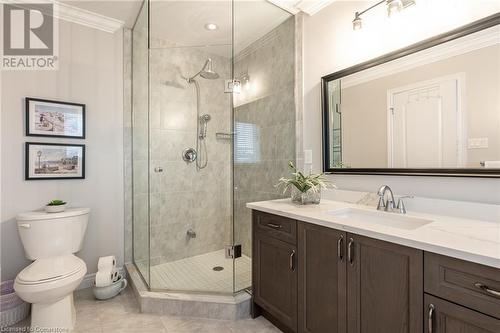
[190, 182]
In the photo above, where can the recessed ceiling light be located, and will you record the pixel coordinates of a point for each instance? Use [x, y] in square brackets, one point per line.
[211, 26]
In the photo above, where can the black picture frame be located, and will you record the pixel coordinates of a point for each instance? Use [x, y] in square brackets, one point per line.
[465, 30]
[27, 163]
[29, 114]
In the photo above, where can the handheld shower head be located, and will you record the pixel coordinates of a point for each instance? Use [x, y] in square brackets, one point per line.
[204, 119]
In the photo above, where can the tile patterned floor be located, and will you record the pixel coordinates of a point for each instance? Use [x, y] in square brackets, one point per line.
[197, 274]
[121, 315]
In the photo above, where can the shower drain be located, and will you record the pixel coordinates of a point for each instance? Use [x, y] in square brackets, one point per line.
[218, 268]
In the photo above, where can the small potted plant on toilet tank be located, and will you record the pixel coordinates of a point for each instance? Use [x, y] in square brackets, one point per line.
[55, 206]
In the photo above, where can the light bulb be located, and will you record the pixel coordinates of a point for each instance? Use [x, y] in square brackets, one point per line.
[394, 6]
[236, 87]
[357, 23]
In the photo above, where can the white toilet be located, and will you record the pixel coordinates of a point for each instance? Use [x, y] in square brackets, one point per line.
[50, 239]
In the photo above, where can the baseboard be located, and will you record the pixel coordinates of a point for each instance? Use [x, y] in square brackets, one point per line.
[88, 280]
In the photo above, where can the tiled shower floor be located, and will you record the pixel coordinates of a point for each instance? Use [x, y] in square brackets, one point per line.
[197, 274]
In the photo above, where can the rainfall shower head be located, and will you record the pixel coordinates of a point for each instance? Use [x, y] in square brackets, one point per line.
[206, 72]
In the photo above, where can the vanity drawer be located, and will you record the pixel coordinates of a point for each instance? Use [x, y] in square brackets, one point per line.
[472, 285]
[275, 226]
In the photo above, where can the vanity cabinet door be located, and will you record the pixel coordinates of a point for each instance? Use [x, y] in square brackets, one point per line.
[447, 317]
[384, 287]
[275, 278]
[322, 274]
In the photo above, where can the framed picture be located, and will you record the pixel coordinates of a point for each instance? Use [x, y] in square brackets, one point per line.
[54, 119]
[54, 161]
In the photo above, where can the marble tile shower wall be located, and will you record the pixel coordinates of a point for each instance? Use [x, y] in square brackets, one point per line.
[268, 104]
[182, 197]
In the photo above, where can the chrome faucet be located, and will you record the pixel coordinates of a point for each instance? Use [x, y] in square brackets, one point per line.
[389, 205]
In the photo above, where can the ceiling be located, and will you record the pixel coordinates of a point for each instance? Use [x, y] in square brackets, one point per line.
[183, 22]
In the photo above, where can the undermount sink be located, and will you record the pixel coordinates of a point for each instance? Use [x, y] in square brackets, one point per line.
[377, 217]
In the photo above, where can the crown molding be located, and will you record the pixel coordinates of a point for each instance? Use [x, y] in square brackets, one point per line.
[312, 7]
[309, 7]
[285, 6]
[77, 15]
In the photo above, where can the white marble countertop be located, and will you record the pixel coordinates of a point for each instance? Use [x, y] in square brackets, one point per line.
[472, 240]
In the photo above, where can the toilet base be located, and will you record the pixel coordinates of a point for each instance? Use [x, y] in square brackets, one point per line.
[59, 316]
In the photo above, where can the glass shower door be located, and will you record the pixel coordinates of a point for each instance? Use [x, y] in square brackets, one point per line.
[264, 114]
[140, 142]
[190, 160]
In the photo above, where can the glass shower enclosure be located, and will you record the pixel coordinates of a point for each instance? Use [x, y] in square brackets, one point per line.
[213, 128]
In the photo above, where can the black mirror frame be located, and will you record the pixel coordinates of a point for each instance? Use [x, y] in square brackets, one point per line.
[465, 30]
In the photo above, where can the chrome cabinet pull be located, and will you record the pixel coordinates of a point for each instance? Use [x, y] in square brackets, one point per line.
[487, 289]
[274, 226]
[430, 320]
[350, 256]
[292, 261]
[340, 253]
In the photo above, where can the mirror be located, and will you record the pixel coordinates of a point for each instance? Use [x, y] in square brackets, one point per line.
[432, 108]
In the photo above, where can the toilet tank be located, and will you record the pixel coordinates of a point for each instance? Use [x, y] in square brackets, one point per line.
[47, 235]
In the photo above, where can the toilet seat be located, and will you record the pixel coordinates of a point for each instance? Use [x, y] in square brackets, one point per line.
[50, 270]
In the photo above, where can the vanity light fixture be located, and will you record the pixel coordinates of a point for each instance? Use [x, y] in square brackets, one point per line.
[393, 6]
[233, 86]
[357, 23]
[236, 87]
[211, 26]
[245, 80]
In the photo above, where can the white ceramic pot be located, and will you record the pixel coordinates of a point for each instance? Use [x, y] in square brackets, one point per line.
[55, 209]
[110, 291]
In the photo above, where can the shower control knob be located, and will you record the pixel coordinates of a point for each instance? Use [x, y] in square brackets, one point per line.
[189, 155]
[158, 169]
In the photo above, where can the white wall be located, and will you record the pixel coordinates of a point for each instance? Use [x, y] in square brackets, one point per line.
[330, 45]
[90, 72]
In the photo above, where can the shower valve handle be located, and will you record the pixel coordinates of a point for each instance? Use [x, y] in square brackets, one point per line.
[189, 155]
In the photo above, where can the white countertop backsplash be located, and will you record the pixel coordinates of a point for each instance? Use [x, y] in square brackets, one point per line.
[463, 230]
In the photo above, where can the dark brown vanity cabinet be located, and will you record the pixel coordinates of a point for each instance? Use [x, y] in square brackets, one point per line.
[322, 279]
[447, 317]
[274, 270]
[354, 284]
[384, 287]
[329, 281]
[460, 296]
[313, 279]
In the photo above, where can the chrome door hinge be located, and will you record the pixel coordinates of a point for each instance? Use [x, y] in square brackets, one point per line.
[233, 252]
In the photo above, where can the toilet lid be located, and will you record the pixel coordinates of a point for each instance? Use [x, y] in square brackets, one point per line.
[48, 269]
